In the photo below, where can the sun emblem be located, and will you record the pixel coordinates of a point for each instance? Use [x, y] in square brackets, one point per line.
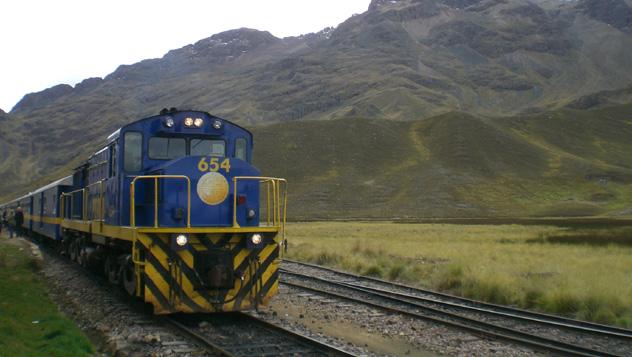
[212, 188]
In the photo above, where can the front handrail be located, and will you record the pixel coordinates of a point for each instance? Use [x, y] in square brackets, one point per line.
[156, 178]
[276, 189]
[84, 198]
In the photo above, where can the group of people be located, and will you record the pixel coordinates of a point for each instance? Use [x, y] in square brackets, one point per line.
[13, 221]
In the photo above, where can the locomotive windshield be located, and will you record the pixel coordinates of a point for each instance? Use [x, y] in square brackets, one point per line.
[167, 148]
[201, 147]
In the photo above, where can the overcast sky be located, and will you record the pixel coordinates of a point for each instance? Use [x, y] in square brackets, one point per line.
[43, 43]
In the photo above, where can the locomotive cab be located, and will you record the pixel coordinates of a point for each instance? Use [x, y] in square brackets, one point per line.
[188, 150]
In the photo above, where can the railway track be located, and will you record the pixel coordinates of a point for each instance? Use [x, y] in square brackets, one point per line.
[233, 334]
[510, 324]
[240, 334]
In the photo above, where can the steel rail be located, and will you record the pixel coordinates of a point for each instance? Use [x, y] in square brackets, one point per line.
[477, 327]
[492, 312]
[240, 348]
[207, 344]
[555, 320]
[326, 348]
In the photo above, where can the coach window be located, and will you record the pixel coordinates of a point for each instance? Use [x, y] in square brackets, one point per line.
[200, 147]
[112, 160]
[167, 148]
[241, 151]
[133, 151]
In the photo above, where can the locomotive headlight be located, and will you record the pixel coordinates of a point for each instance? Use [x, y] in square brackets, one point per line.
[217, 124]
[251, 213]
[182, 240]
[188, 121]
[198, 122]
[256, 238]
[169, 122]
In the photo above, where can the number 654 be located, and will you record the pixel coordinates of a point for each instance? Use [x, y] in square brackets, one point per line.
[213, 165]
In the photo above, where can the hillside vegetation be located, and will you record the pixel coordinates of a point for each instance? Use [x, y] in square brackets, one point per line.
[577, 271]
[563, 163]
[412, 108]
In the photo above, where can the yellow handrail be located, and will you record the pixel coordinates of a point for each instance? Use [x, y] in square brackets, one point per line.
[84, 213]
[278, 217]
[156, 178]
[62, 204]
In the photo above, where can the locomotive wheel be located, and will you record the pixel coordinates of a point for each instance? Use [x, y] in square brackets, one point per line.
[112, 270]
[128, 277]
[61, 248]
[84, 256]
[81, 257]
[72, 250]
[77, 251]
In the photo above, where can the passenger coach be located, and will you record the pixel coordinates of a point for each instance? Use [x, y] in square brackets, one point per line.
[174, 211]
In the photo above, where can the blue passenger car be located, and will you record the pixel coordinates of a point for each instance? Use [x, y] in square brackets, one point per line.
[44, 211]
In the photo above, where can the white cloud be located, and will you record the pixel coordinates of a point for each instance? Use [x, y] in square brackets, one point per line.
[44, 43]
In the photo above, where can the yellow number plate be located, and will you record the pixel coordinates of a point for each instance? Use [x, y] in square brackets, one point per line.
[212, 164]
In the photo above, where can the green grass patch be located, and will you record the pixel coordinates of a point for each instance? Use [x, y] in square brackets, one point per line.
[30, 323]
[578, 271]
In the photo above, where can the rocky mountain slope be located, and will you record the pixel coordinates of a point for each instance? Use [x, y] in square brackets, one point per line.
[404, 63]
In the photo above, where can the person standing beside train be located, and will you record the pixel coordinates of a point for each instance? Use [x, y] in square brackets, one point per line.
[19, 221]
[10, 223]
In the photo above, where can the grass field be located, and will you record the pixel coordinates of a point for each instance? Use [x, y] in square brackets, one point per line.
[30, 323]
[580, 271]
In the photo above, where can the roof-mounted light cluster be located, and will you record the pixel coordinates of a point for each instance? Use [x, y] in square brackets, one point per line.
[169, 122]
[197, 122]
[217, 124]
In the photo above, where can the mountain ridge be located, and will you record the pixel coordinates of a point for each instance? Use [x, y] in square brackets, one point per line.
[492, 51]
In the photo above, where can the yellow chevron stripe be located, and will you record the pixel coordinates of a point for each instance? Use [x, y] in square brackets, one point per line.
[185, 283]
[150, 298]
[239, 258]
[153, 274]
[214, 238]
[187, 287]
[196, 243]
[246, 303]
[186, 257]
[267, 274]
[274, 289]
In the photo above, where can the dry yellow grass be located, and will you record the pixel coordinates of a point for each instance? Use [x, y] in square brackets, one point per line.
[581, 272]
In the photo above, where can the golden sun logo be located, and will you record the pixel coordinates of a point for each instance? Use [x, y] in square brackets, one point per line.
[212, 188]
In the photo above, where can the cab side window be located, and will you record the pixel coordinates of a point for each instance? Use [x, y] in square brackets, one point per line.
[241, 149]
[113, 153]
[133, 154]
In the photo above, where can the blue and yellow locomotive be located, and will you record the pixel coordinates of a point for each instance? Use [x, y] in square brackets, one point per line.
[174, 211]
